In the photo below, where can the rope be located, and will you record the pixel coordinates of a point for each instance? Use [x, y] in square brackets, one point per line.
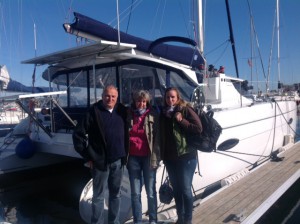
[295, 132]
[274, 129]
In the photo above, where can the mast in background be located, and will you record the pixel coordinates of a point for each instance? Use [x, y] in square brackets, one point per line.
[232, 39]
[118, 18]
[200, 26]
[34, 70]
[278, 44]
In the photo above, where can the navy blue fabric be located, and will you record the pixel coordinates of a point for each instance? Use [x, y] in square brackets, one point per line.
[113, 126]
[185, 55]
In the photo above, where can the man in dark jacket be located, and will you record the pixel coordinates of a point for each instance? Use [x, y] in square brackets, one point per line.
[101, 138]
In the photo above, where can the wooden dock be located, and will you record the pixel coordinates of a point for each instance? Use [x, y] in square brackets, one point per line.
[249, 198]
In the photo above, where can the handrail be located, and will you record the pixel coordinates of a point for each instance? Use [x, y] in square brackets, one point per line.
[171, 39]
[34, 118]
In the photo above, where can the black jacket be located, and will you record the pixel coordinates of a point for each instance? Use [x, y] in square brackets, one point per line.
[89, 140]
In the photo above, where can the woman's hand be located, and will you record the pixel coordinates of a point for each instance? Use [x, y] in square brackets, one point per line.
[178, 116]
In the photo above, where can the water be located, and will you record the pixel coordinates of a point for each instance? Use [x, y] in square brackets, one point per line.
[286, 210]
[51, 196]
[44, 196]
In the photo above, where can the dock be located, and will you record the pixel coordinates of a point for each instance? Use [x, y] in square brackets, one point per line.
[246, 200]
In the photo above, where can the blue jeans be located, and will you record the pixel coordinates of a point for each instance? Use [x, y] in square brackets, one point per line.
[112, 179]
[181, 173]
[139, 171]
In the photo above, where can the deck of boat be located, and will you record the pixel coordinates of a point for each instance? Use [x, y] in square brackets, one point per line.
[249, 198]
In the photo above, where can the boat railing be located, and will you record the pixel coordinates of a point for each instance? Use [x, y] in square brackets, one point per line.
[34, 118]
[66, 118]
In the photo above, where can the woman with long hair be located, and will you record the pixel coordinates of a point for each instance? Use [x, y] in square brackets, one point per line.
[177, 121]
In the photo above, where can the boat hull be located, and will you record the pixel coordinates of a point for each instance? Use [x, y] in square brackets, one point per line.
[261, 131]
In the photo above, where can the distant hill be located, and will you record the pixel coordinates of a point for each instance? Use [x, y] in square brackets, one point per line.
[15, 86]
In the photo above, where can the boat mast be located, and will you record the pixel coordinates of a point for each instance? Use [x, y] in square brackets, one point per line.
[118, 19]
[34, 70]
[278, 44]
[231, 38]
[200, 27]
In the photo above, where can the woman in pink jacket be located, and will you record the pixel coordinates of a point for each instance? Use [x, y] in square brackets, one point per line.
[144, 154]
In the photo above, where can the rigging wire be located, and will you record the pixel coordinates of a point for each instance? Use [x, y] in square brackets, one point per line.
[185, 19]
[227, 42]
[154, 18]
[123, 15]
[162, 16]
[68, 13]
[129, 17]
[256, 38]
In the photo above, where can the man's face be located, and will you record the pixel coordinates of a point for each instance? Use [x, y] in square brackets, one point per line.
[109, 98]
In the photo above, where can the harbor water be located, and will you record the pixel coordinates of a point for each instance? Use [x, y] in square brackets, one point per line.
[51, 196]
[44, 196]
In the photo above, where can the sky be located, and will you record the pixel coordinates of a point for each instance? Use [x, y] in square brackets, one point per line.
[152, 19]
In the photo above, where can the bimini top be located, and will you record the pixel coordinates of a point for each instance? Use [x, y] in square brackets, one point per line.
[185, 55]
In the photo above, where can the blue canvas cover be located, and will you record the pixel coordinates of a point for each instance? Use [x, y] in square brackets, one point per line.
[184, 55]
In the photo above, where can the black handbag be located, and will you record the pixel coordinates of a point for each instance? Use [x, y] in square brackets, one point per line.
[166, 194]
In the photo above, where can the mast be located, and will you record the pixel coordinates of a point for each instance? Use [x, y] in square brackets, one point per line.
[118, 18]
[278, 44]
[231, 38]
[200, 26]
[34, 69]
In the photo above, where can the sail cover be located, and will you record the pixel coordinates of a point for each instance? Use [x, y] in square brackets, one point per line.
[184, 55]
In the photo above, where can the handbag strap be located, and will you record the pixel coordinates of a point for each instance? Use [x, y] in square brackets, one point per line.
[198, 164]
[162, 178]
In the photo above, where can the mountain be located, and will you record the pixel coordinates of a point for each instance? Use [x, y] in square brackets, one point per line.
[15, 86]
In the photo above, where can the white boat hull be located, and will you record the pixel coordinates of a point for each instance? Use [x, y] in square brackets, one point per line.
[253, 126]
[259, 127]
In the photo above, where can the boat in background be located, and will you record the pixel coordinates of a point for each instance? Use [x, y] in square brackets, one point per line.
[15, 146]
[10, 113]
[253, 131]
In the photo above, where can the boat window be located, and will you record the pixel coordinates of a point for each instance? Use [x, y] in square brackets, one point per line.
[180, 81]
[75, 83]
[135, 77]
[60, 83]
[77, 89]
[132, 77]
[237, 85]
[102, 77]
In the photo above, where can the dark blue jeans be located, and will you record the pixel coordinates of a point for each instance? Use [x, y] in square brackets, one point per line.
[140, 172]
[181, 173]
[112, 179]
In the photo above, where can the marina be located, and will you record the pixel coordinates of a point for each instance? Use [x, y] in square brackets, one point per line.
[51, 195]
[45, 195]
[247, 200]
[251, 164]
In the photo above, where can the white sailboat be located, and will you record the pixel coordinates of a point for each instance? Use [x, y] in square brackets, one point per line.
[260, 129]
[10, 113]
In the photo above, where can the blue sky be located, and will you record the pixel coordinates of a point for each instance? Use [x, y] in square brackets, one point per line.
[152, 19]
